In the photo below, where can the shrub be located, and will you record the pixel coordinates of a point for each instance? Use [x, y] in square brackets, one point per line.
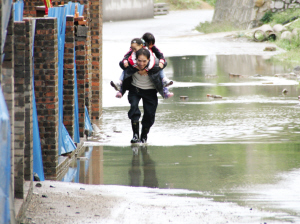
[208, 27]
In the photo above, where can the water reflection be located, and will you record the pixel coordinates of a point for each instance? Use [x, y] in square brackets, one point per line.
[87, 168]
[241, 173]
[197, 68]
[148, 166]
[186, 150]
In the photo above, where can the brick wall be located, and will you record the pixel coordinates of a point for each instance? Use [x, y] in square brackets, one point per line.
[30, 7]
[28, 102]
[80, 71]
[93, 77]
[19, 84]
[68, 101]
[96, 36]
[46, 91]
[88, 73]
[8, 83]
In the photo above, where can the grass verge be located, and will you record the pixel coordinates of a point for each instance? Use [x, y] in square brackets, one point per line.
[208, 27]
[187, 4]
[292, 54]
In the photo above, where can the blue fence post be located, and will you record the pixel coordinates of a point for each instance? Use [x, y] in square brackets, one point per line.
[76, 110]
[5, 158]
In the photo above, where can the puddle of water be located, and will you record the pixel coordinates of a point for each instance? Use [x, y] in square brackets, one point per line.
[243, 148]
[250, 110]
[261, 176]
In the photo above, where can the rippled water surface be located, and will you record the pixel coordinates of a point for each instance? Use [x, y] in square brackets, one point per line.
[242, 148]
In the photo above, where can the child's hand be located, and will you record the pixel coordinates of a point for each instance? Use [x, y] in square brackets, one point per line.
[161, 65]
[126, 64]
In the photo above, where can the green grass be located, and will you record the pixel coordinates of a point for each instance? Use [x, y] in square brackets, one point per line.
[208, 27]
[292, 54]
[295, 24]
[290, 58]
[292, 47]
[185, 4]
[284, 16]
[211, 2]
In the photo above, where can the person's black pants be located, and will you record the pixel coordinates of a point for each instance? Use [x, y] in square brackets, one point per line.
[150, 101]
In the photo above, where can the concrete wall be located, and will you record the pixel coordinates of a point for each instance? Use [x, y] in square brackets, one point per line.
[247, 13]
[282, 5]
[115, 10]
[238, 12]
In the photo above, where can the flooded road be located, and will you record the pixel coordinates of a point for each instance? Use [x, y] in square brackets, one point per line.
[252, 108]
[242, 148]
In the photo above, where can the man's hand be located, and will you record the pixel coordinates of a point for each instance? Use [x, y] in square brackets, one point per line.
[161, 65]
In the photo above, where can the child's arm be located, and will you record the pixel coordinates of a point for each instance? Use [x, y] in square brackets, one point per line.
[125, 58]
[132, 60]
[158, 54]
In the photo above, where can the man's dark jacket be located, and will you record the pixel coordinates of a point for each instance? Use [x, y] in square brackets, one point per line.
[153, 74]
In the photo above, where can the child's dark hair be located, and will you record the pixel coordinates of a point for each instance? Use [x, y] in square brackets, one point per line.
[149, 38]
[144, 52]
[138, 41]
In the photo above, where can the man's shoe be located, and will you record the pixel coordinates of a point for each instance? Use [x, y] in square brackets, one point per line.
[144, 134]
[144, 139]
[135, 139]
[135, 129]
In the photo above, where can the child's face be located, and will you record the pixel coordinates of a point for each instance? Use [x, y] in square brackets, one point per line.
[135, 47]
[150, 45]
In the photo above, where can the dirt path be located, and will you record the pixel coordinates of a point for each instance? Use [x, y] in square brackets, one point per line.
[58, 202]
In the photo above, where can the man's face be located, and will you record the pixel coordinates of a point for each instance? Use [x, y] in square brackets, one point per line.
[142, 61]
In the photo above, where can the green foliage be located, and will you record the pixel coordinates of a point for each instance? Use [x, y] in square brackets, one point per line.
[211, 2]
[295, 24]
[292, 47]
[282, 17]
[208, 27]
[292, 54]
[267, 17]
[186, 4]
[289, 45]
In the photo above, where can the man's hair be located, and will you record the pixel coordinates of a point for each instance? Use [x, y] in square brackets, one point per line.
[144, 52]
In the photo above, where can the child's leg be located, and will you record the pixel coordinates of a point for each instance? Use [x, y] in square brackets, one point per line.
[118, 84]
[167, 94]
[165, 80]
[162, 74]
[122, 77]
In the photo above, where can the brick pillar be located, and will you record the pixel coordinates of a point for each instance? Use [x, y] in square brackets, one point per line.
[68, 101]
[80, 71]
[46, 91]
[96, 37]
[28, 103]
[88, 77]
[19, 64]
[30, 7]
[7, 84]
[88, 49]
[88, 74]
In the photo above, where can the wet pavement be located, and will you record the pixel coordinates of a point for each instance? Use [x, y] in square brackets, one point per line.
[242, 148]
